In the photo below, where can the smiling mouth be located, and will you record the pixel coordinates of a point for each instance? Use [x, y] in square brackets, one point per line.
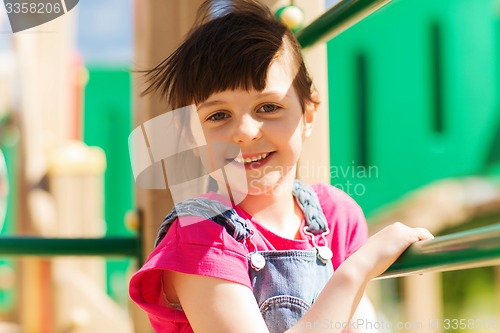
[253, 159]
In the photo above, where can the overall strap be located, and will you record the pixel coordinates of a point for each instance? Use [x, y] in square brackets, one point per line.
[235, 225]
[309, 203]
[210, 210]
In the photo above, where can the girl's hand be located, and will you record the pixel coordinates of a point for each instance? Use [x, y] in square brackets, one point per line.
[384, 247]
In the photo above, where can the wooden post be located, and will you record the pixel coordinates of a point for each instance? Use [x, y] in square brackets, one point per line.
[423, 303]
[314, 165]
[44, 54]
[76, 174]
[159, 29]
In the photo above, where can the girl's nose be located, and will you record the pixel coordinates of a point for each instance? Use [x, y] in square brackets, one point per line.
[247, 129]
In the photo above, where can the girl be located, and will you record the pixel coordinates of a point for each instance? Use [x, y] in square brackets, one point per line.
[258, 253]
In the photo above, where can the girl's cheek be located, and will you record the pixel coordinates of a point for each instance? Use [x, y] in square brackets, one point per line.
[216, 135]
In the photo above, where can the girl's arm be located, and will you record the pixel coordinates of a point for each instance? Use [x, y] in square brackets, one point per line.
[342, 293]
[215, 305]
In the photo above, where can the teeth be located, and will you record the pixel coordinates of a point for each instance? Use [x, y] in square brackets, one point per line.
[251, 159]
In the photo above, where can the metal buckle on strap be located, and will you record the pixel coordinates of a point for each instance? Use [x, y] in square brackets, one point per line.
[323, 252]
[257, 260]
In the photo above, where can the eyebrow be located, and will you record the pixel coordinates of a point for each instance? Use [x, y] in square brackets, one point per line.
[262, 95]
[275, 93]
[207, 104]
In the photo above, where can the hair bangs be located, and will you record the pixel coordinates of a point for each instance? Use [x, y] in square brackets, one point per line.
[219, 55]
[229, 65]
[229, 49]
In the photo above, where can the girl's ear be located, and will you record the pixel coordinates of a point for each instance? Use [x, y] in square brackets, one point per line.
[310, 110]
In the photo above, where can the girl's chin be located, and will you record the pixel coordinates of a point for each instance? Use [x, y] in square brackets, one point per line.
[252, 188]
[271, 183]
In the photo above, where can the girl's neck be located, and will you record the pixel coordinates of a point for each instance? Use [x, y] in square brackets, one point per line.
[277, 212]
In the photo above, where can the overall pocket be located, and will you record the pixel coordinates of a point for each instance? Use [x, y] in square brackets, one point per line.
[282, 312]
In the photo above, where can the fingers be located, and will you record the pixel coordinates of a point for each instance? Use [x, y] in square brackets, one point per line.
[384, 247]
[423, 234]
[410, 234]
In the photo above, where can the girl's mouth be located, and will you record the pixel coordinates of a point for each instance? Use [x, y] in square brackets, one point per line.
[254, 161]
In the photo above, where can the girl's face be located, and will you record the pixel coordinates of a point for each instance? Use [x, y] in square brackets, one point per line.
[268, 127]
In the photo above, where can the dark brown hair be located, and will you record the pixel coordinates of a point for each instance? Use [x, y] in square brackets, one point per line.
[231, 46]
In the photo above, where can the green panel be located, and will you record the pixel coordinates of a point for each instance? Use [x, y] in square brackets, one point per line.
[8, 296]
[107, 124]
[412, 97]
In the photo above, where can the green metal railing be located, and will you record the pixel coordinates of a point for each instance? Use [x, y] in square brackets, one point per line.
[337, 19]
[40, 246]
[467, 249]
[34, 246]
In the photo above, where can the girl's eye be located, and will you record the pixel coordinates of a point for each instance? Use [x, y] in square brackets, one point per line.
[267, 108]
[218, 116]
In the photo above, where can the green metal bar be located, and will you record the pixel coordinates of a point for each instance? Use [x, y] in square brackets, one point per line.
[38, 246]
[473, 248]
[337, 19]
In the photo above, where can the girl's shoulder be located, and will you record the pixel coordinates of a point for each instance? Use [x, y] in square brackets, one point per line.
[206, 224]
[341, 211]
[330, 195]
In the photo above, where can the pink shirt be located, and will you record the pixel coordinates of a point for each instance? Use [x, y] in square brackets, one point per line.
[205, 248]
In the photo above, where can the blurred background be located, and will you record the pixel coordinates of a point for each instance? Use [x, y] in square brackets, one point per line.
[65, 106]
[410, 129]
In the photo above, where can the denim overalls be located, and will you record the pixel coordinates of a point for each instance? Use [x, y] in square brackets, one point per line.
[285, 283]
